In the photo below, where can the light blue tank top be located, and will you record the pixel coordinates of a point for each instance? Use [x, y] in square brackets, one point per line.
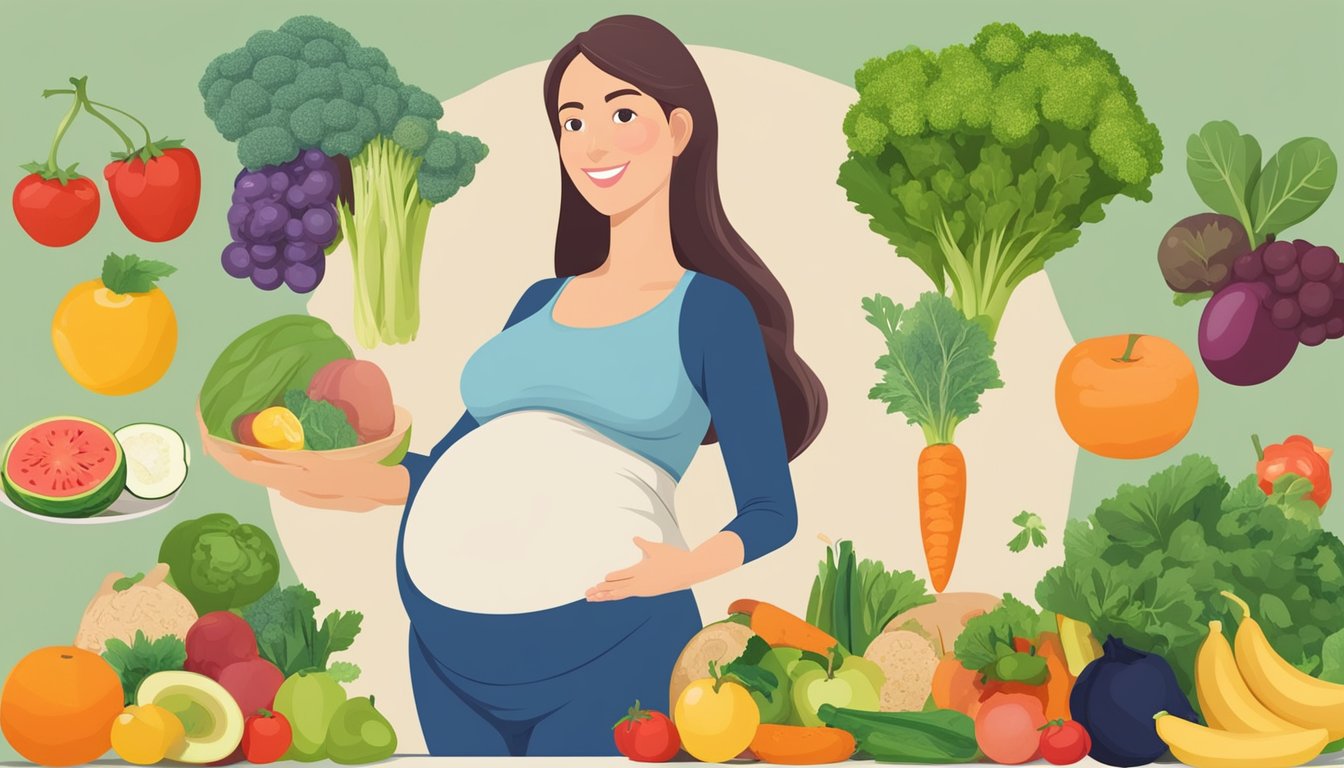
[626, 380]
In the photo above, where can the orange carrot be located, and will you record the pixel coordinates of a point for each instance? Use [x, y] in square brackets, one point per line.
[942, 508]
[801, 745]
[1060, 684]
[781, 629]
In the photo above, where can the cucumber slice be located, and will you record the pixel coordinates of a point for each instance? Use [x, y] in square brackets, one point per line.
[156, 460]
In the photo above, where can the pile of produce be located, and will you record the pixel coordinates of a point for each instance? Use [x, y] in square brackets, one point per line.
[329, 134]
[70, 467]
[155, 187]
[205, 660]
[292, 384]
[117, 334]
[1269, 294]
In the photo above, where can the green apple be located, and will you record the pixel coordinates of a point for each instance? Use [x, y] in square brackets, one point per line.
[849, 687]
[778, 709]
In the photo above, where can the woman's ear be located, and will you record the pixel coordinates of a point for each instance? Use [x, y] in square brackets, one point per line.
[679, 120]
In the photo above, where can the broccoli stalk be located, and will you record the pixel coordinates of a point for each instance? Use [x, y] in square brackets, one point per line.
[981, 162]
[310, 84]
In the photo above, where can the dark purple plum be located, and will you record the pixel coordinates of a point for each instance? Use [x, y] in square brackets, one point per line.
[1238, 339]
[237, 260]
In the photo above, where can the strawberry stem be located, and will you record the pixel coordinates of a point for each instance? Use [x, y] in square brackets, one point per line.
[52, 170]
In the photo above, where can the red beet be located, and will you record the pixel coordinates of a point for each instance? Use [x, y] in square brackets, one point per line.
[218, 640]
[242, 430]
[360, 389]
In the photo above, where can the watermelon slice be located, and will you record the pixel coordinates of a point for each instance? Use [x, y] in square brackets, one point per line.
[64, 467]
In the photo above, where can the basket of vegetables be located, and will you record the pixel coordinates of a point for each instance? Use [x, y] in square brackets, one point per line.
[289, 395]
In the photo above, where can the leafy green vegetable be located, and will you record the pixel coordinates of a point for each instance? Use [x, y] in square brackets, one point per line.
[854, 601]
[1148, 566]
[980, 162]
[1224, 165]
[258, 367]
[1292, 494]
[126, 582]
[142, 658]
[746, 668]
[937, 365]
[1294, 184]
[132, 274]
[988, 638]
[325, 426]
[219, 564]
[288, 636]
[1033, 531]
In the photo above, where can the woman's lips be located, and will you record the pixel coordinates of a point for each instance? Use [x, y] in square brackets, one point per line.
[606, 177]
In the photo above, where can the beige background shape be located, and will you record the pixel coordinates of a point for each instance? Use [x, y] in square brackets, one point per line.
[778, 161]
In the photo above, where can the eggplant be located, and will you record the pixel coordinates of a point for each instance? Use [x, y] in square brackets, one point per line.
[1116, 697]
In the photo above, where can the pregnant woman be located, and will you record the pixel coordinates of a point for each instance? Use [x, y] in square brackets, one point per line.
[540, 562]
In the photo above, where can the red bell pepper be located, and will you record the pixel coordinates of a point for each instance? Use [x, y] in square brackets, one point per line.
[1296, 455]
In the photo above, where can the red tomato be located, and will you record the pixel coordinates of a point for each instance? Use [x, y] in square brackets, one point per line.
[55, 214]
[156, 200]
[1065, 742]
[266, 737]
[1007, 727]
[646, 736]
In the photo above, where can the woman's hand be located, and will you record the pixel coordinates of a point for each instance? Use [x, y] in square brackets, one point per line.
[666, 568]
[350, 486]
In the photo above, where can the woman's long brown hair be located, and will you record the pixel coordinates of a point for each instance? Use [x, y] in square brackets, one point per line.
[649, 56]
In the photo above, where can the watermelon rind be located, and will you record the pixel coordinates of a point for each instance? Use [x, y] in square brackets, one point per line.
[92, 502]
[173, 480]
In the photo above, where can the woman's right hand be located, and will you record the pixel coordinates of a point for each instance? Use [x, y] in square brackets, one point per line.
[351, 486]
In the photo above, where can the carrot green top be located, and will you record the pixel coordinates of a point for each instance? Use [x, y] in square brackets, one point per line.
[937, 363]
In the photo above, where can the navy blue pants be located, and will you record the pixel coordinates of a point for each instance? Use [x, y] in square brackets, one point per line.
[549, 682]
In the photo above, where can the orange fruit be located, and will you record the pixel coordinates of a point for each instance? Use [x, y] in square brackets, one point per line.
[58, 705]
[145, 734]
[1127, 396]
[114, 343]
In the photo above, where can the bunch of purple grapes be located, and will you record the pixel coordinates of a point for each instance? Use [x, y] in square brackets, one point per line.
[1306, 287]
[282, 220]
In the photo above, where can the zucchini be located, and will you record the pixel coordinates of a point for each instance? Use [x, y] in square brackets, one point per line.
[937, 736]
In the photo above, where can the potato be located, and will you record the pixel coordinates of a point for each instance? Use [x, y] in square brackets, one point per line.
[908, 661]
[719, 643]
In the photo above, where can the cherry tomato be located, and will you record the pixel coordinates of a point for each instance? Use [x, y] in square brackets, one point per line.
[55, 214]
[266, 737]
[156, 200]
[646, 736]
[1065, 742]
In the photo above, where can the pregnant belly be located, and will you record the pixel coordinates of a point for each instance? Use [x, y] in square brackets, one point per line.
[528, 511]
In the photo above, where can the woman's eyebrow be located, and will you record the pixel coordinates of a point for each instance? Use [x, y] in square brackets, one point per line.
[569, 105]
[623, 92]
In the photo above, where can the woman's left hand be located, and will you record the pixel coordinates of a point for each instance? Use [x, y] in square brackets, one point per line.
[664, 569]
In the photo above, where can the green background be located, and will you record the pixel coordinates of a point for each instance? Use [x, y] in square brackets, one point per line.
[1269, 67]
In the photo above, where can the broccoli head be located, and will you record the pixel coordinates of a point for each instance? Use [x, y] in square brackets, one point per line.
[979, 162]
[314, 80]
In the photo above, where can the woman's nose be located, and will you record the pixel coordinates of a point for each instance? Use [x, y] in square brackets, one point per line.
[599, 145]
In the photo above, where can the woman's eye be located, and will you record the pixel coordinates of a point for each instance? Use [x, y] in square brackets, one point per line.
[573, 124]
[623, 115]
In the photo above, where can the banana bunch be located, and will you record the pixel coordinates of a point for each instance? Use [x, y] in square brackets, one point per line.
[1262, 711]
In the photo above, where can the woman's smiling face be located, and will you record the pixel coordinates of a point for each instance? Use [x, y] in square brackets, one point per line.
[615, 143]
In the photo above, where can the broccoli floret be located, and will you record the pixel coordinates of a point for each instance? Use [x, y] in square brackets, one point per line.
[270, 145]
[235, 64]
[313, 28]
[273, 72]
[436, 187]
[321, 53]
[366, 125]
[346, 143]
[979, 162]
[287, 97]
[231, 121]
[216, 95]
[352, 86]
[250, 97]
[449, 164]
[306, 122]
[338, 115]
[413, 133]
[276, 118]
[363, 58]
[208, 79]
[271, 43]
[318, 83]
[420, 103]
[385, 105]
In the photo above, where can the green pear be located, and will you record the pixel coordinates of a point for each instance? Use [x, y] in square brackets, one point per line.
[359, 734]
[779, 707]
[870, 670]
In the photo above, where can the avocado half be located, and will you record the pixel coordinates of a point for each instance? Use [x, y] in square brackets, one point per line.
[211, 718]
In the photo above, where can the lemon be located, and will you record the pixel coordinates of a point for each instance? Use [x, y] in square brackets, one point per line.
[278, 427]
